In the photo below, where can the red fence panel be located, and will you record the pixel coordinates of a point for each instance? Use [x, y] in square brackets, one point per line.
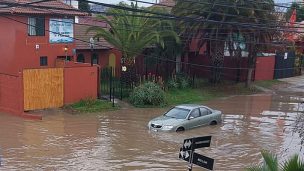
[80, 83]
[265, 68]
[11, 94]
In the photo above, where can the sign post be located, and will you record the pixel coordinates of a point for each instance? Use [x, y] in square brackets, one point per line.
[187, 152]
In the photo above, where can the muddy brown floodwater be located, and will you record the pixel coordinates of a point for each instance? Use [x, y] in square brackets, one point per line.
[120, 140]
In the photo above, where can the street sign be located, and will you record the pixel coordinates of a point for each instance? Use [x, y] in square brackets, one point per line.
[203, 161]
[185, 155]
[197, 142]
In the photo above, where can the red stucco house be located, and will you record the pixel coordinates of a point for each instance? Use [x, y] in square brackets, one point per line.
[38, 67]
[102, 53]
[197, 61]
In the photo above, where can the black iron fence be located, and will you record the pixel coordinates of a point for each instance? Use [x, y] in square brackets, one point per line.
[112, 85]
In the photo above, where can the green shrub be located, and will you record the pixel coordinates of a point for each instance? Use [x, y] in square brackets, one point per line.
[148, 93]
[180, 80]
[172, 83]
[184, 83]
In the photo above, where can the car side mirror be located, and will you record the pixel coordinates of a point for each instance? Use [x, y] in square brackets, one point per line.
[191, 117]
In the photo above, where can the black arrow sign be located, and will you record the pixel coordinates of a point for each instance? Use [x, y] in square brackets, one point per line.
[197, 142]
[203, 161]
[185, 155]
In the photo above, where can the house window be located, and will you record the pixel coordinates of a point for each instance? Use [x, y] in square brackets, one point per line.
[80, 58]
[36, 26]
[43, 61]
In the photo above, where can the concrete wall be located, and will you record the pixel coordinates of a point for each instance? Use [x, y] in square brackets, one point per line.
[265, 68]
[80, 83]
[11, 94]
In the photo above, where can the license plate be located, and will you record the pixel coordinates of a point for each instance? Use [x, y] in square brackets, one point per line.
[155, 130]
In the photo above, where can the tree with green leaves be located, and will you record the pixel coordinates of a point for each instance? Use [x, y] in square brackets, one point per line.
[83, 6]
[171, 51]
[299, 9]
[215, 22]
[271, 163]
[131, 31]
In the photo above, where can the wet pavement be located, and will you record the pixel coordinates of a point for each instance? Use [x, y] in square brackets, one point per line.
[296, 84]
[120, 140]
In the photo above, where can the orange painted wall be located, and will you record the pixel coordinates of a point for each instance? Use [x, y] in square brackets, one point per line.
[80, 83]
[103, 56]
[265, 68]
[18, 50]
[11, 94]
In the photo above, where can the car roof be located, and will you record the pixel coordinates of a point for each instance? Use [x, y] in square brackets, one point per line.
[190, 106]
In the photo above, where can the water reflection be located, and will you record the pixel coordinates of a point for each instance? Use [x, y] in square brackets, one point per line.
[120, 140]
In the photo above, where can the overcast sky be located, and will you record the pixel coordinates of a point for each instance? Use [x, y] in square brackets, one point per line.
[117, 1]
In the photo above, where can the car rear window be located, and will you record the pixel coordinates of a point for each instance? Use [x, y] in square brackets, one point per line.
[178, 113]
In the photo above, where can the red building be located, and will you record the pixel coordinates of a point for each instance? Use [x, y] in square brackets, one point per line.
[100, 51]
[38, 67]
[198, 62]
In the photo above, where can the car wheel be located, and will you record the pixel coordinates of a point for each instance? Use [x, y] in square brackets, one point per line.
[213, 123]
[179, 129]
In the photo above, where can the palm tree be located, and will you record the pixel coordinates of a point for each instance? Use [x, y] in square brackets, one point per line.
[271, 163]
[202, 30]
[131, 32]
[171, 51]
[212, 25]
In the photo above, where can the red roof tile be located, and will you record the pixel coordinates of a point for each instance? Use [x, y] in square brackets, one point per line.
[82, 37]
[41, 8]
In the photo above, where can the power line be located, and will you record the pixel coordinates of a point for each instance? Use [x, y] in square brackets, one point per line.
[154, 57]
[201, 38]
[171, 17]
[232, 15]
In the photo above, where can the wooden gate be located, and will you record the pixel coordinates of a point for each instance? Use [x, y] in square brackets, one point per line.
[43, 88]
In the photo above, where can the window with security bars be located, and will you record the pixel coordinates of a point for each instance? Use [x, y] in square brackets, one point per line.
[36, 26]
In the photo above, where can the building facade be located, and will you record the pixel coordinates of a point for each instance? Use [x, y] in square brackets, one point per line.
[38, 66]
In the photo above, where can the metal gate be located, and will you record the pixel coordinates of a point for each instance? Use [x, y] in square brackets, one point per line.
[43, 88]
[112, 84]
[284, 65]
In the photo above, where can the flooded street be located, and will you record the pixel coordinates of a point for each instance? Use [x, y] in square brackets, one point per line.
[120, 140]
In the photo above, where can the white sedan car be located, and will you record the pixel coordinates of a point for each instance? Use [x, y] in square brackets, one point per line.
[184, 117]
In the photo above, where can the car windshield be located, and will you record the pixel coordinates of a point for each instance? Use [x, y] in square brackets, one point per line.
[178, 113]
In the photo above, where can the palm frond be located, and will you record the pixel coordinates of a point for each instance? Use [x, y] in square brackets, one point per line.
[270, 161]
[293, 164]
